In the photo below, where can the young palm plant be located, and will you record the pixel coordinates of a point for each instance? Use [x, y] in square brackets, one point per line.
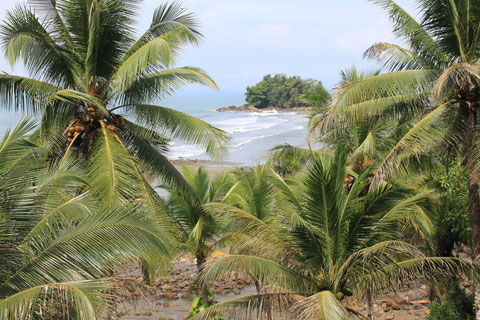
[95, 84]
[58, 242]
[199, 230]
[253, 197]
[336, 241]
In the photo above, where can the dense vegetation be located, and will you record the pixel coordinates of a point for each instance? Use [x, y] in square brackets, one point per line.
[281, 91]
[378, 203]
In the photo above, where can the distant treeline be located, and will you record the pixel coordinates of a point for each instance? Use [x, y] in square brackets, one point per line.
[280, 91]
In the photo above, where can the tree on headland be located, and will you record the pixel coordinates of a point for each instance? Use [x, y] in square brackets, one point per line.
[94, 84]
[281, 91]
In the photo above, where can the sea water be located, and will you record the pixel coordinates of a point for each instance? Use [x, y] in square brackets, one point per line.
[252, 134]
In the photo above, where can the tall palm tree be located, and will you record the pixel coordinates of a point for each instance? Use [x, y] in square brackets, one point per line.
[93, 82]
[58, 243]
[436, 78]
[336, 241]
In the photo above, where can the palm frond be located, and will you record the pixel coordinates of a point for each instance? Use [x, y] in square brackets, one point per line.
[87, 297]
[158, 85]
[25, 94]
[407, 28]
[419, 139]
[258, 306]
[265, 270]
[393, 57]
[322, 306]
[110, 173]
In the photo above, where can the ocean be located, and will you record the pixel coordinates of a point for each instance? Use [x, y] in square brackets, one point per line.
[252, 134]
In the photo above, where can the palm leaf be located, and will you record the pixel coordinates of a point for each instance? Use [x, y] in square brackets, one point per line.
[321, 306]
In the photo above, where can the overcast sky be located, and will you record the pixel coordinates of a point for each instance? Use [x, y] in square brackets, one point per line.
[245, 39]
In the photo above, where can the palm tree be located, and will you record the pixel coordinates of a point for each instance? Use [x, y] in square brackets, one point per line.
[336, 241]
[198, 228]
[253, 197]
[92, 82]
[437, 78]
[58, 243]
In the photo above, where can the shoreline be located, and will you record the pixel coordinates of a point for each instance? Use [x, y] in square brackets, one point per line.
[213, 168]
[249, 108]
[207, 163]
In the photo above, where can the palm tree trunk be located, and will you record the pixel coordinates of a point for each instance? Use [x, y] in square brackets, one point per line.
[370, 315]
[268, 305]
[203, 290]
[474, 197]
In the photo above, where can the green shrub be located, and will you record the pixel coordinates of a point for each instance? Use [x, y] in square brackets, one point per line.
[199, 305]
[457, 306]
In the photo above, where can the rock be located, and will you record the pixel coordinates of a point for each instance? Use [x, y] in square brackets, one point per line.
[121, 313]
[236, 291]
[417, 305]
[463, 256]
[392, 304]
[389, 317]
[166, 304]
[147, 314]
[169, 295]
[186, 295]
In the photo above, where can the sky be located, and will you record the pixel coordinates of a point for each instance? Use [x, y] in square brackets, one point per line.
[246, 39]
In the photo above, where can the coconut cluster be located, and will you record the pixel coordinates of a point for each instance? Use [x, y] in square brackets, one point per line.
[81, 130]
[358, 167]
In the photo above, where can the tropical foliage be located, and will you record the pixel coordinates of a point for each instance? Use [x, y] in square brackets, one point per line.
[336, 239]
[59, 243]
[371, 204]
[435, 80]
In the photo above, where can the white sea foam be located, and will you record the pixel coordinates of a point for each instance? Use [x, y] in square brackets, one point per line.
[181, 150]
[251, 134]
[246, 124]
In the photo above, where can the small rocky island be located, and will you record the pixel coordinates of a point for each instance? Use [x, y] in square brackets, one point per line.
[283, 94]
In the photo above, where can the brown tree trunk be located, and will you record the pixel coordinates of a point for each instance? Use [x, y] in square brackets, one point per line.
[203, 290]
[370, 310]
[268, 304]
[474, 197]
